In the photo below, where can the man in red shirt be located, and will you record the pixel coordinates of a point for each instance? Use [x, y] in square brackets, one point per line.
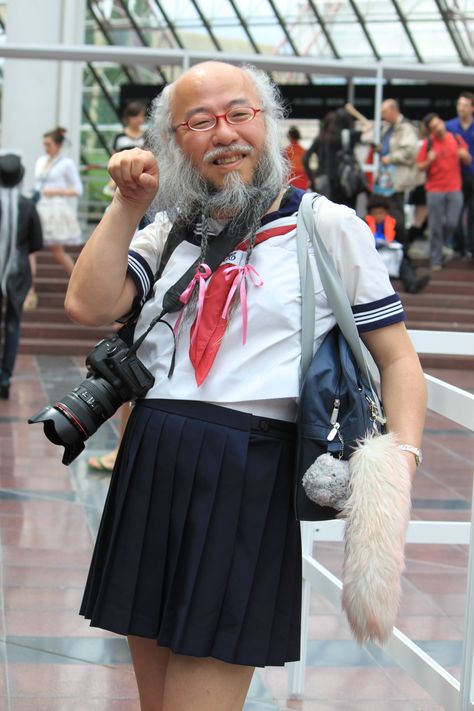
[441, 156]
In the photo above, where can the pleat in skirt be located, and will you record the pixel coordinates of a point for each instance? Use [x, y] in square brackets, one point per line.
[198, 546]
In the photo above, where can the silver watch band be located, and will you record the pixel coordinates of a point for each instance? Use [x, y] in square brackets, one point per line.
[414, 450]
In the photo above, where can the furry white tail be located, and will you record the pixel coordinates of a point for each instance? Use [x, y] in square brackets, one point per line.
[377, 514]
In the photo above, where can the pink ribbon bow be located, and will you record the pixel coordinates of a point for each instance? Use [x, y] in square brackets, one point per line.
[203, 272]
[239, 278]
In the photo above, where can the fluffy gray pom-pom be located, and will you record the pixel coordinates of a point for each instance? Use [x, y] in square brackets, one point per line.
[326, 481]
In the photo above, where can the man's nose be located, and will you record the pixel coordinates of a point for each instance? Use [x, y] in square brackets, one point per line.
[224, 132]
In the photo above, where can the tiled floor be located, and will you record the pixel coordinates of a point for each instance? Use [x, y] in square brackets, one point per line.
[50, 660]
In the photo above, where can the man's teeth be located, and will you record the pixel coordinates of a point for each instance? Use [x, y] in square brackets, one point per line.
[231, 159]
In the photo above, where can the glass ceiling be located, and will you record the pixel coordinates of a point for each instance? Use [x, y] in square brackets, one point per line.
[364, 31]
[421, 31]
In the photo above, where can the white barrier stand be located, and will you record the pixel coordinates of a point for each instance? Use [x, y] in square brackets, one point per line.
[458, 406]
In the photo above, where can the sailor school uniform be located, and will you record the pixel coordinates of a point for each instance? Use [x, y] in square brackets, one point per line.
[199, 547]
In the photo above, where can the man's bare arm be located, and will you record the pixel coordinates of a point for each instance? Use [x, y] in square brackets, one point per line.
[99, 290]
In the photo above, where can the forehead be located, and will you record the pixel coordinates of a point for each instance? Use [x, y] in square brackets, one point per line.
[212, 89]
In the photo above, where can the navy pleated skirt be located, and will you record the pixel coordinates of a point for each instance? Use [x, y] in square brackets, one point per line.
[199, 547]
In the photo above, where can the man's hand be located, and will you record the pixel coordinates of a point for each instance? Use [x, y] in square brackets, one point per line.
[431, 156]
[464, 156]
[135, 173]
[385, 160]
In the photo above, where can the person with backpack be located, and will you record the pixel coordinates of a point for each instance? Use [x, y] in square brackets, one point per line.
[339, 175]
[441, 155]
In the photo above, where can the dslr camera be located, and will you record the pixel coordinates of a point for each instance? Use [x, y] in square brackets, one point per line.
[114, 375]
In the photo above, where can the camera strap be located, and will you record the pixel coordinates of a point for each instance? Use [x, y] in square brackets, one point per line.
[220, 246]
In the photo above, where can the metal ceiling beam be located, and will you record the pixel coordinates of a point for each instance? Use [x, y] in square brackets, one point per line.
[206, 24]
[446, 15]
[169, 24]
[140, 35]
[107, 37]
[404, 23]
[324, 28]
[245, 26]
[94, 127]
[104, 90]
[283, 26]
[268, 62]
[361, 21]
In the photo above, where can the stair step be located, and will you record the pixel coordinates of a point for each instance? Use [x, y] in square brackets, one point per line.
[434, 300]
[53, 300]
[45, 255]
[32, 346]
[52, 271]
[442, 314]
[69, 331]
[47, 313]
[438, 326]
[458, 362]
[48, 285]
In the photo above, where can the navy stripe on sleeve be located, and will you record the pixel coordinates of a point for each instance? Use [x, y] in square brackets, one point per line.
[378, 314]
[140, 272]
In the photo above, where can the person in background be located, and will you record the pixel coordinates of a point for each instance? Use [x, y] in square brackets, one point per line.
[58, 185]
[294, 154]
[463, 125]
[336, 135]
[132, 135]
[441, 156]
[384, 228]
[398, 153]
[198, 559]
[20, 236]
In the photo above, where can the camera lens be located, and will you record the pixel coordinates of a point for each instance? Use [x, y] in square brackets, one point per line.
[78, 415]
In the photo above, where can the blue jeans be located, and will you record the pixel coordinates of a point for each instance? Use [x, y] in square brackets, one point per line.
[444, 210]
[10, 341]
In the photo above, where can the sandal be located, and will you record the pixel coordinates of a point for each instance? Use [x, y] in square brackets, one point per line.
[31, 300]
[98, 464]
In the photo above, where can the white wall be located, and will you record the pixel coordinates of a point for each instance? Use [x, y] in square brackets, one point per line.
[40, 95]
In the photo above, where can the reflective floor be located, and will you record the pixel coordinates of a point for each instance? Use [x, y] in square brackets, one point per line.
[51, 660]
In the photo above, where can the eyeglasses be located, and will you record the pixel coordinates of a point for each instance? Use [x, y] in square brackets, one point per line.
[205, 121]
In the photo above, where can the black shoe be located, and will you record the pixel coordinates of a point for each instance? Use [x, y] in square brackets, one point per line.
[5, 391]
[416, 285]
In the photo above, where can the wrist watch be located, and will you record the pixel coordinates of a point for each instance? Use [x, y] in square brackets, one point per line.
[414, 450]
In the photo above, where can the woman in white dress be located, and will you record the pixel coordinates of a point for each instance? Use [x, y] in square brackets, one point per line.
[58, 185]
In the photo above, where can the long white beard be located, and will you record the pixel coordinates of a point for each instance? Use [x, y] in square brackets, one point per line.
[182, 187]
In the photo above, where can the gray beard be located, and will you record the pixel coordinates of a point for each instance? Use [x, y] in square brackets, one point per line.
[184, 191]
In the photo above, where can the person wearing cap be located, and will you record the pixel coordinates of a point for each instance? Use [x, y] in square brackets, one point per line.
[20, 235]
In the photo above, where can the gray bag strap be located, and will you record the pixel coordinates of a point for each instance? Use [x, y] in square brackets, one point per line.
[333, 286]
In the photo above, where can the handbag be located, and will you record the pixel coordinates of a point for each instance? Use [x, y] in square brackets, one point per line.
[340, 417]
[385, 181]
[338, 402]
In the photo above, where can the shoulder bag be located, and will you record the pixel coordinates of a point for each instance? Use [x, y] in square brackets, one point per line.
[338, 403]
[340, 418]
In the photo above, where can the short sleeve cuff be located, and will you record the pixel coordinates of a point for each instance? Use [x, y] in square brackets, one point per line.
[378, 314]
[139, 271]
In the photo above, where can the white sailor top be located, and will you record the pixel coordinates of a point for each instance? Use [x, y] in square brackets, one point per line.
[262, 375]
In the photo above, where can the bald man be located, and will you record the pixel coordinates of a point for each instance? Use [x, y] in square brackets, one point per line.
[198, 556]
[399, 149]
